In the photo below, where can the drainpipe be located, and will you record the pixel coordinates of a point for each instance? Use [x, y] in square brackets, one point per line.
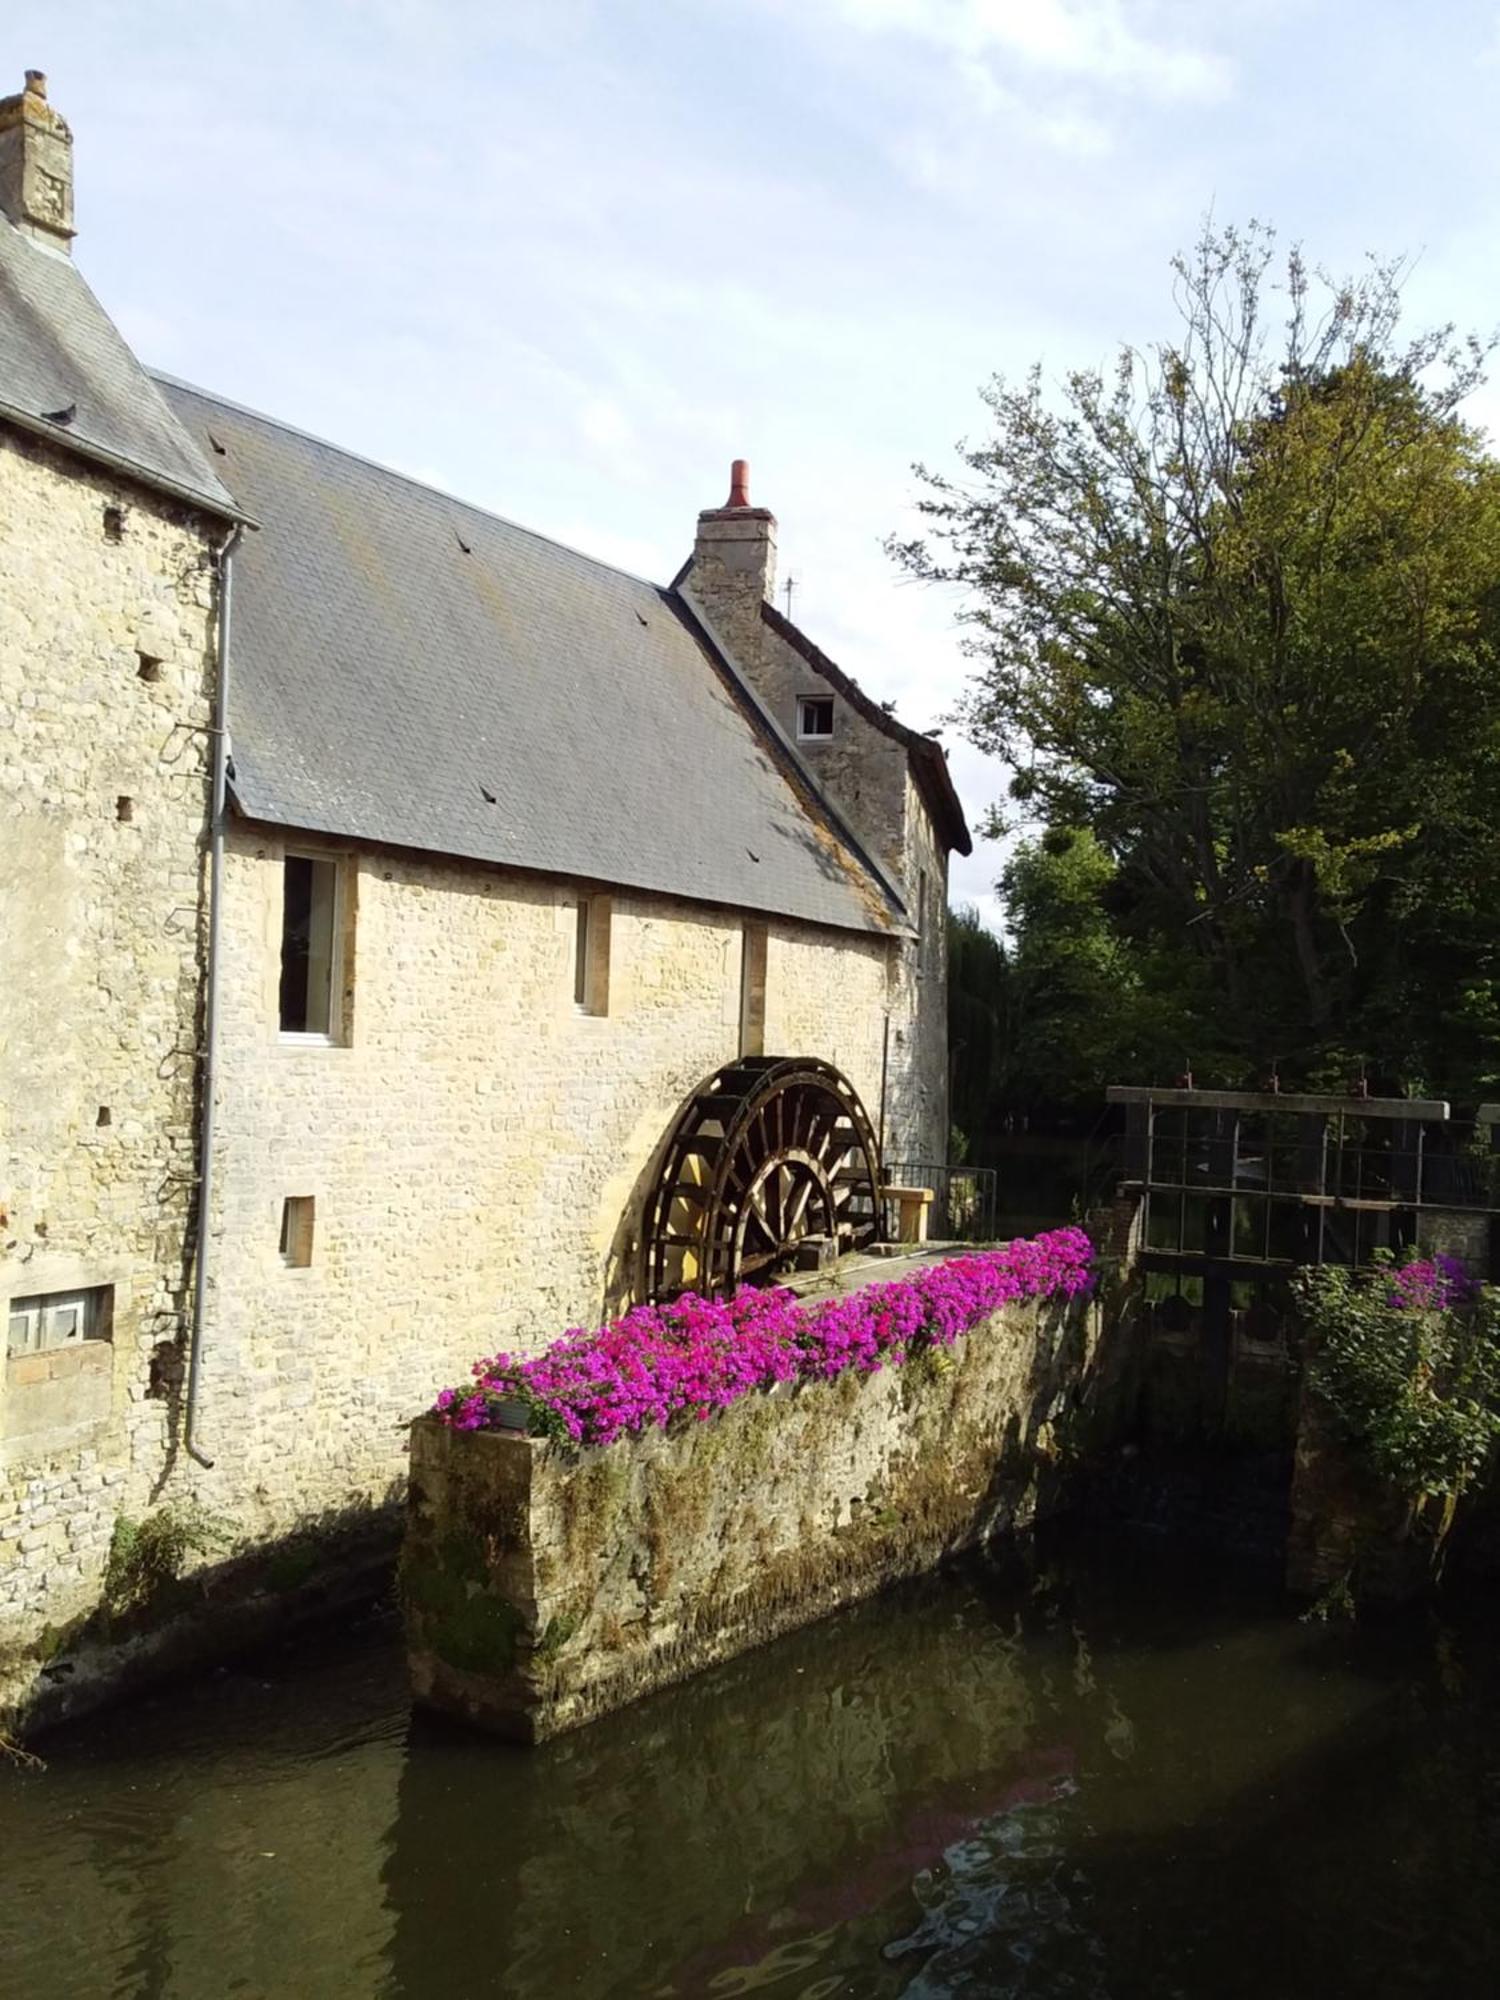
[885, 1063]
[220, 740]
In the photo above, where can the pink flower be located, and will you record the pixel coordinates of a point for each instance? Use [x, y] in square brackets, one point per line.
[695, 1355]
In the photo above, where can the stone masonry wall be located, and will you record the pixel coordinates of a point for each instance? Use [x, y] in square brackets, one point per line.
[106, 636]
[545, 1585]
[917, 1090]
[867, 776]
[477, 1152]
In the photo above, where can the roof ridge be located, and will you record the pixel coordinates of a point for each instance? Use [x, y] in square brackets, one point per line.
[161, 377]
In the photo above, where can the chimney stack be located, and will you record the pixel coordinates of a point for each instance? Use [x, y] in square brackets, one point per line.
[734, 565]
[36, 165]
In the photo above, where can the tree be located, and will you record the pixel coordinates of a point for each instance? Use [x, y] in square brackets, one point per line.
[977, 1030]
[1089, 1005]
[1234, 613]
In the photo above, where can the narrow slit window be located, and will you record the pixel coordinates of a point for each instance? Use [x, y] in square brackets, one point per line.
[591, 955]
[297, 1214]
[309, 946]
[581, 955]
[753, 948]
[814, 717]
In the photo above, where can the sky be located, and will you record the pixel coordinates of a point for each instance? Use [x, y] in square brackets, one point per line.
[567, 260]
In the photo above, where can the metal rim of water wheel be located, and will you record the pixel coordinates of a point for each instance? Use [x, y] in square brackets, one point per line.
[769, 1151]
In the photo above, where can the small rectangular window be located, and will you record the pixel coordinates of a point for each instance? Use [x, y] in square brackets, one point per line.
[591, 955]
[753, 947]
[297, 1213]
[814, 717]
[58, 1319]
[309, 946]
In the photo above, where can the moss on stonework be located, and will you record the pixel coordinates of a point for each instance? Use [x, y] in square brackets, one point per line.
[923, 1370]
[677, 1504]
[557, 1633]
[593, 1496]
[463, 1622]
[740, 1439]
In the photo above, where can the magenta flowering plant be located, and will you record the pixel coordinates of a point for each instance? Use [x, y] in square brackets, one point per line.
[694, 1356]
[1432, 1284]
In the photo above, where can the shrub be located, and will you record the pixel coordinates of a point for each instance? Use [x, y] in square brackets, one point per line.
[146, 1556]
[1409, 1364]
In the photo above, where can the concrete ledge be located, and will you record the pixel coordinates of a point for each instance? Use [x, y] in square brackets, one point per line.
[544, 1585]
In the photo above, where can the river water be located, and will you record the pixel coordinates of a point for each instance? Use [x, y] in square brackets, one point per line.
[1116, 1771]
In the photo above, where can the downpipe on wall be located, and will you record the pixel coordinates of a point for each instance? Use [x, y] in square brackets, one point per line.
[220, 736]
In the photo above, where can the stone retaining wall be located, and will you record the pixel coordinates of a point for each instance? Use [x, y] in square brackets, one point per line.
[544, 1585]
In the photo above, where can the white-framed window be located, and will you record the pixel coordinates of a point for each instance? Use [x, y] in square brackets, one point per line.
[311, 947]
[754, 942]
[814, 718]
[591, 955]
[58, 1319]
[298, 1213]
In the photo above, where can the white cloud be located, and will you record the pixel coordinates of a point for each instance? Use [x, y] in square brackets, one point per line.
[1088, 40]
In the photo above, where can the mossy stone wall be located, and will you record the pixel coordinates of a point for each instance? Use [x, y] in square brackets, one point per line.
[544, 1585]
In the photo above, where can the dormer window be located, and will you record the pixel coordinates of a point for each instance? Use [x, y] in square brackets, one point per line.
[815, 718]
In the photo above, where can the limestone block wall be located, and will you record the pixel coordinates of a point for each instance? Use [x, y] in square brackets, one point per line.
[867, 776]
[106, 637]
[862, 770]
[544, 1585]
[477, 1150]
[918, 1083]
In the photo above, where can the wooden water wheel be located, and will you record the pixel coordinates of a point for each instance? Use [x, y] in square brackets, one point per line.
[769, 1151]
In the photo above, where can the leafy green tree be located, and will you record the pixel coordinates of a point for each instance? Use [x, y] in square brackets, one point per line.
[978, 1031]
[1089, 1005]
[1234, 612]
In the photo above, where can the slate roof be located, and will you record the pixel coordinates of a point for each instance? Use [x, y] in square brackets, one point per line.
[60, 350]
[929, 762]
[409, 670]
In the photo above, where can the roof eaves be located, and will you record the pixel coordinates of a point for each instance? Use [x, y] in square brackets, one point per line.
[128, 468]
[337, 833]
[930, 763]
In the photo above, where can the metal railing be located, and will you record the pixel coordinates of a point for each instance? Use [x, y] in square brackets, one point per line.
[963, 1204]
[1270, 1179]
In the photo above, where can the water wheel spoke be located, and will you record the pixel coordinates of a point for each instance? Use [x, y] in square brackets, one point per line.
[797, 1209]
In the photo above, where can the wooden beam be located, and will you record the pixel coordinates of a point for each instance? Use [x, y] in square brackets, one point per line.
[1427, 1110]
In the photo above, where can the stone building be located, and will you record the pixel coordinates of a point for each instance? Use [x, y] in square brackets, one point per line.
[515, 851]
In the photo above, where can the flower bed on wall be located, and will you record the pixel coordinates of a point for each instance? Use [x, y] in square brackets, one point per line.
[695, 1356]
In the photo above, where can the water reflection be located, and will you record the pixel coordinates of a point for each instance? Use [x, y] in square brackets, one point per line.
[1114, 1773]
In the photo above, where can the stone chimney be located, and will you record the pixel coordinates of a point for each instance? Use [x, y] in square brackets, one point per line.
[734, 566]
[36, 165]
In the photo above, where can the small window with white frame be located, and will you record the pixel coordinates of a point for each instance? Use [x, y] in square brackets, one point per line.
[814, 718]
[591, 955]
[311, 948]
[48, 1320]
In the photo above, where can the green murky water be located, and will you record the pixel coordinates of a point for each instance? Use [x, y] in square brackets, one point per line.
[1124, 1773]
